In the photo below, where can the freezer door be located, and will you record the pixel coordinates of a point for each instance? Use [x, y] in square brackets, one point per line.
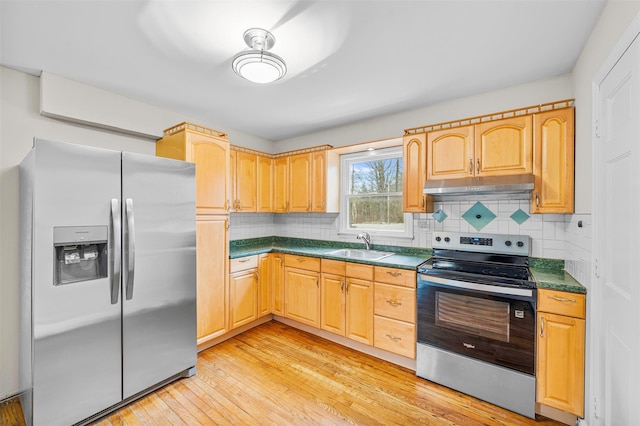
[76, 327]
[159, 270]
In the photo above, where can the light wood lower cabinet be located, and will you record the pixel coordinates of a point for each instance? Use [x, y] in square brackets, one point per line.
[243, 291]
[212, 288]
[346, 300]
[560, 350]
[302, 289]
[395, 311]
[277, 283]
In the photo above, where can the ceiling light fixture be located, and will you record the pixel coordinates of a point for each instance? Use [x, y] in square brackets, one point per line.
[258, 65]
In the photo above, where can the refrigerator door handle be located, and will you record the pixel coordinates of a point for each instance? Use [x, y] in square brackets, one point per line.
[130, 239]
[117, 250]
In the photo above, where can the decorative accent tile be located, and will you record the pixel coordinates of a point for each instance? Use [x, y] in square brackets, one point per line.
[519, 216]
[478, 216]
[439, 215]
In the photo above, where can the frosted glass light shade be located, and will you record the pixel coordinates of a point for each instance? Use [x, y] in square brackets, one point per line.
[259, 66]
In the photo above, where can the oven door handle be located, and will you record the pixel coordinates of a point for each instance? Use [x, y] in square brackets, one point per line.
[477, 286]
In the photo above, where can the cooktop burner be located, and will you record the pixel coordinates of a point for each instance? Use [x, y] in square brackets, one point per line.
[495, 259]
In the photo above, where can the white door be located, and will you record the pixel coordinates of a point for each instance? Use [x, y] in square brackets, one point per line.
[617, 235]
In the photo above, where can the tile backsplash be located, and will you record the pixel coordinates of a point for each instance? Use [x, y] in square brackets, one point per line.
[500, 216]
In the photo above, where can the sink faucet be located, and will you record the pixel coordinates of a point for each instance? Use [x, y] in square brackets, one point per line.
[364, 236]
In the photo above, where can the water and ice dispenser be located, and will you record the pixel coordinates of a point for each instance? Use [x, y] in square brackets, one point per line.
[81, 253]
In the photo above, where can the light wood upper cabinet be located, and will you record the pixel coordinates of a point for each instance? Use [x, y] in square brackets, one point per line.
[560, 351]
[244, 181]
[504, 147]
[281, 185]
[318, 181]
[553, 162]
[265, 184]
[450, 153]
[414, 159]
[500, 147]
[210, 153]
[300, 183]
[211, 277]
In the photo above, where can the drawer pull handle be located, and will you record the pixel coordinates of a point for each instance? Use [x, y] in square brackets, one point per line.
[394, 302]
[300, 259]
[244, 260]
[394, 274]
[562, 299]
[394, 338]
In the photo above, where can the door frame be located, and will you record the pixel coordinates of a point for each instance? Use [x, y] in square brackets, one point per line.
[593, 399]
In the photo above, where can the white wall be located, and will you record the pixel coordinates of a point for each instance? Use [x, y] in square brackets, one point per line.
[20, 122]
[392, 126]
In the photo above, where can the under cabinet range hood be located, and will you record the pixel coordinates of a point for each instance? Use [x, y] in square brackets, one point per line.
[515, 187]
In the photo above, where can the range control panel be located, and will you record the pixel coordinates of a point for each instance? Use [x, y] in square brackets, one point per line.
[486, 243]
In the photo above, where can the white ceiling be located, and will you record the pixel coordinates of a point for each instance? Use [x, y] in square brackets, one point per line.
[347, 60]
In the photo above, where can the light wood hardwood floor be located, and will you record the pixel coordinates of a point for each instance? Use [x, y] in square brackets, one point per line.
[277, 375]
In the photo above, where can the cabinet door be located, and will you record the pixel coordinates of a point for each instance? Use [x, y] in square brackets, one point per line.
[212, 260]
[277, 283]
[265, 262]
[300, 183]
[560, 368]
[450, 153]
[414, 158]
[553, 161]
[332, 300]
[319, 181]
[246, 182]
[359, 310]
[212, 174]
[264, 196]
[243, 297]
[281, 185]
[504, 147]
[302, 295]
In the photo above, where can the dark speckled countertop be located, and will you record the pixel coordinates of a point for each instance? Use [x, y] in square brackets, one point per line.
[403, 257]
[549, 274]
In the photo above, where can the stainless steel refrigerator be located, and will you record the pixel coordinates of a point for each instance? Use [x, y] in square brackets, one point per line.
[108, 278]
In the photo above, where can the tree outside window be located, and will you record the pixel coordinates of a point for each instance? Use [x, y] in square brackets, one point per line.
[372, 192]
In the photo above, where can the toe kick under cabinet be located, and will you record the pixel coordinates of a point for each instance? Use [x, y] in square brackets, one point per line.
[394, 321]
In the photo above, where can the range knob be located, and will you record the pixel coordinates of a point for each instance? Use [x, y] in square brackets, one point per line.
[447, 239]
[438, 239]
[520, 244]
[507, 243]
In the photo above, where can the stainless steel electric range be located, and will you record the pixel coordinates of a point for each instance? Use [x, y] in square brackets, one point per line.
[476, 310]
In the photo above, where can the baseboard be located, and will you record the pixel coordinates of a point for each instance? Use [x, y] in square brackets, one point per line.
[219, 339]
[557, 415]
[360, 347]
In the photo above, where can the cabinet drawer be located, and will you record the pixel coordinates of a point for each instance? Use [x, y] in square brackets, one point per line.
[358, 270]
[302, 262]
[394, 336]
[242, 263]
[335, 267]
[401, 277]
[395, 302]
[561, 303]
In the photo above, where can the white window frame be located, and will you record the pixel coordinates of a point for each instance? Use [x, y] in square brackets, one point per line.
[357, 157]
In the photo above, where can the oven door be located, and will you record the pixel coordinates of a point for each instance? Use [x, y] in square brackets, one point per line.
[487, 322]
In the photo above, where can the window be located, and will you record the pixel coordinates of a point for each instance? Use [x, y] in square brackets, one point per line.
[371, 192]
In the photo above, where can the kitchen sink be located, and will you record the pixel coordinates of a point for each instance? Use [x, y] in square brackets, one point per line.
[360, 254]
